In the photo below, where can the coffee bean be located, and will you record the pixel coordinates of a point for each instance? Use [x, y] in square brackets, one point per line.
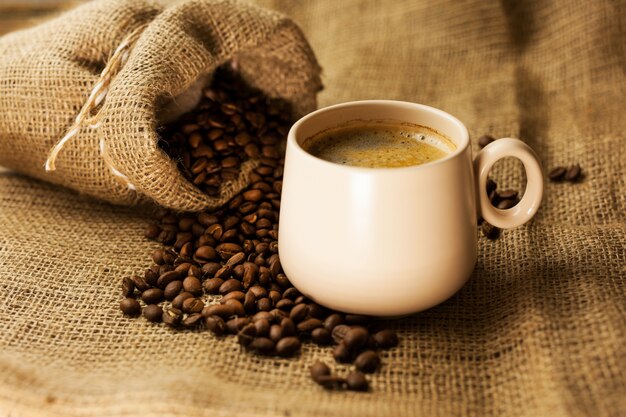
[249, 303]
[331, 382]
[177, 302]
[130, 307]
[507, 194]
[192, 320]
[258, 291]
[172, 290]
[128, 287]
[193, 305]
[152, 296]
[235, 324]
[309, 325]
[276, 332]
[151, 276]
[490, 231]
[212, 286]
[262, 346]
[367, 361]
[287, 346]
[233, 295]
[299, 312]
[229, 286]
[291, 293]
[168, 277]
[238, 309]
[491, 185]
[172, 317]
[557, 174]
[339, 332]
[192, 285]
[152, 231]
[263, 315]
[262, 327]
[319, 369]
[332, 321]
[506, 204]
[140, 283]
[321, 336]
[573, 173]
[227, 250]
[216, 325]
[356, 381]
[485, 140]
[236, 259]
[205, 254]
[222, 310]
[342, 354]
[316, 311]
[278, 315]
[356, 338]
[386, 339]
[153, 313]
[264, 304]
[246, 334]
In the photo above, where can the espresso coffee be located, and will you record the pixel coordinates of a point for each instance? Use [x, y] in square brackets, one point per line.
[379, 144]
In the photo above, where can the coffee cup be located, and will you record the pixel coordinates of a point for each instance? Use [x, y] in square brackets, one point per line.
[391, 241]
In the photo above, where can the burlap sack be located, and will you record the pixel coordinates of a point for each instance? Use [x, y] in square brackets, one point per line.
[539, 330]
[82, 96]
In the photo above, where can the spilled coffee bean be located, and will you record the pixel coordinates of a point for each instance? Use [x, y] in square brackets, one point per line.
[220, 271]
[573, 173]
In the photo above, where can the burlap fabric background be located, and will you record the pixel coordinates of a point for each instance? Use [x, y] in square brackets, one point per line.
[49, 71]
[540, 330]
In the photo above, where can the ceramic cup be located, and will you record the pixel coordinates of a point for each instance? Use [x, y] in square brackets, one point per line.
[390, 241]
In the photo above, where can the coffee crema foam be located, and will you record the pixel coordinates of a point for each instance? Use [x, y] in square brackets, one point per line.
[379, 144]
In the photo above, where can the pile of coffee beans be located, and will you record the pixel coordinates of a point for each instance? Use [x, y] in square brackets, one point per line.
[231, 124]
[220, 270]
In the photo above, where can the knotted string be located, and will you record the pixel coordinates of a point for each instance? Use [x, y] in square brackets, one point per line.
[96, 98]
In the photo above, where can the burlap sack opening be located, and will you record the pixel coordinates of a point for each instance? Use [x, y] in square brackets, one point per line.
[50, 72]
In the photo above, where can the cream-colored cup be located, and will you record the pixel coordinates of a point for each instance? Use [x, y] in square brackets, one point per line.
[390, 241]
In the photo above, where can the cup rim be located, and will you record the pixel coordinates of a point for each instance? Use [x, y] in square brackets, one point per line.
[460, 149]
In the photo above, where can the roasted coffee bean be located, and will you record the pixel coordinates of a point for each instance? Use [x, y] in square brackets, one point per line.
[168, 277]
[332, 321]
[172, 290]
[318, 370]
[356, 338]
[151, 275]
[157, 257]
[216, 325]
[275, 296]
[128, 287]
[209, 269]
[573, 173]
[506, 204]
[264, 304]
[299, 312]
[249, 302]
[339, 332]
[222, 310]
[291, 293]
[229, 286]
[172, 316]
[485, 140]
[331, 382]
[130, 307]
[238, 309]
[233, 295]
[309, 325]
[263, 315]
[289, 327]
[557, 174]
[357, 319]
[205, 254]
[152, 296]
[192, 320]
[316, 311]
[278, 315]
[227, 250]
[224, 272]
[140, 283]
[152, 231]
[236, 259]
[212, 286]
[250, 273]
[342, 354]
[490, 231]
[193, 285]
[386, 339]
[262, 327]
[507, 194]
[262, 346]
[321, 336]
[367, 361]
[193, 305]
[236, 324]
[258, 291]
[246, 334]
[153, 313]
[288, 346]
[178, 301]
[276, 332]
[356, 381]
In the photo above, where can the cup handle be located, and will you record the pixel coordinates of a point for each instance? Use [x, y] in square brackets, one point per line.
[527, 207]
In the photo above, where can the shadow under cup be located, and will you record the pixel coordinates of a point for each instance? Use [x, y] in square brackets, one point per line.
[378, 241]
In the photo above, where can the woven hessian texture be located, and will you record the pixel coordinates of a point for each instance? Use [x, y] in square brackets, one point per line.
[48, 72]
[539, 330]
